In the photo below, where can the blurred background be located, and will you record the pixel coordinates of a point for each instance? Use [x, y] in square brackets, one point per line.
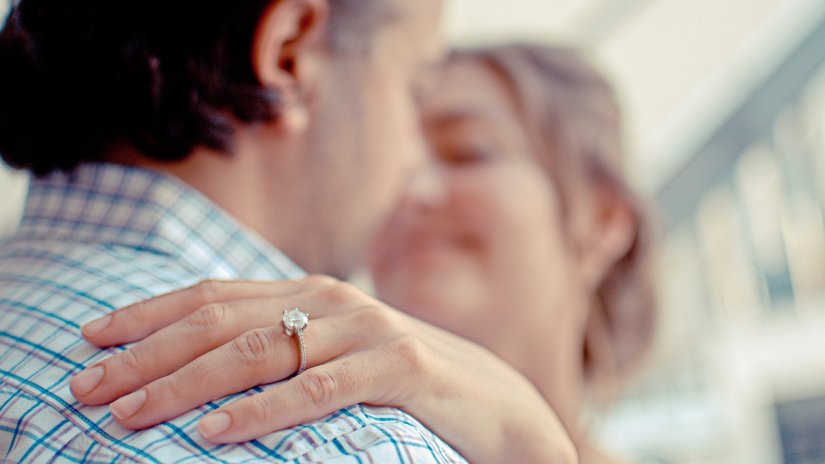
[725, 106]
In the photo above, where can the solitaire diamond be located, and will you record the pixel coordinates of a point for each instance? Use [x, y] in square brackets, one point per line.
[295, 320]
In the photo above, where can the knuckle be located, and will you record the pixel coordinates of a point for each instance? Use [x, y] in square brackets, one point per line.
[209, 316]
[255, 346]
[175, 386]
[141, 316]
[320, 281]
[138, 313]
[413, 352]
[207, 291]
[260, 409]
[341, 293]
[181, 383]
[130, 360]
[318, 387]
[375, 317]
[345, 290]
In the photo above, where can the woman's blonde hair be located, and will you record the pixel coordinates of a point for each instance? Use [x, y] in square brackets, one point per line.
[573, 119]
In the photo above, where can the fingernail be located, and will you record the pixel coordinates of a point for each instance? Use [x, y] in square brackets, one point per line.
[127, 406]
[87, 380]
[97, 326]
[214, 424]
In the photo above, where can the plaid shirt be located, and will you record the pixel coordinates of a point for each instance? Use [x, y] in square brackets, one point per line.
[108, 236]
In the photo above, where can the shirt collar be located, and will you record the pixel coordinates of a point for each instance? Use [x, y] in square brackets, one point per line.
[139, 208]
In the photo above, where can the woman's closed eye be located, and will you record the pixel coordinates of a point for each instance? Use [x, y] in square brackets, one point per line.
[467, 154]
[468, 143]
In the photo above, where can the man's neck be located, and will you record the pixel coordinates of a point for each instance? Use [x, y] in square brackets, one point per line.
[259, 189]
[231, 181]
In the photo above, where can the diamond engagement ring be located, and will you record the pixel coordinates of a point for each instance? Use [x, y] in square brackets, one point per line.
[295, 321]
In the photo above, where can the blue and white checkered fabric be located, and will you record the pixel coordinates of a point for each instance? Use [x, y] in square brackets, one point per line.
[108, 236]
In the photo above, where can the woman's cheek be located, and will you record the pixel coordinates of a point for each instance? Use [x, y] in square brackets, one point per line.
[478, 206]
[525, 228]
[516, 197]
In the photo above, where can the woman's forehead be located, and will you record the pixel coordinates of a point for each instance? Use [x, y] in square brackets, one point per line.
[468, 90]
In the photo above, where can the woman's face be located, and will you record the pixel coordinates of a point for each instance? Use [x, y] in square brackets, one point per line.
[487, 256]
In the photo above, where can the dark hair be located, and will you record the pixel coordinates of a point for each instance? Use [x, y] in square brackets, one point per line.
[163, 76]
[574, 122]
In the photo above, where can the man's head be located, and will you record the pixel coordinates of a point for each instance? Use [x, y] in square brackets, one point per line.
[297, 116]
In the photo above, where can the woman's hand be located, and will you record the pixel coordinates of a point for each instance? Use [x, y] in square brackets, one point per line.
[219, 338]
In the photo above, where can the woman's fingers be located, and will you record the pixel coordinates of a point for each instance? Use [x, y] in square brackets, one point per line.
[176, 345]
[140, 320]
[259, 356]
[312, 395]
[171, 348]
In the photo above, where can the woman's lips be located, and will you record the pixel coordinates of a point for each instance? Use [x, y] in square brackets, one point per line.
[431, 246]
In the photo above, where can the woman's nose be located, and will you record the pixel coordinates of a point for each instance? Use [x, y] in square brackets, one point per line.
[427, 187]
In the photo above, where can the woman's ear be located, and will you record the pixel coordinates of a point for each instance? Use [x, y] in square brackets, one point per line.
[289, 52]
[609, 235]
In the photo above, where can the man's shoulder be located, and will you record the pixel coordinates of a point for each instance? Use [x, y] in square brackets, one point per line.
[48, 290]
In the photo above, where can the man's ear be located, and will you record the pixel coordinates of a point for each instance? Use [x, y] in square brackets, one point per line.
[288, 53]
[611, 232]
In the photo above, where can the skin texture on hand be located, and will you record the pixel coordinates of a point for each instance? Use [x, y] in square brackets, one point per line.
[219, 338]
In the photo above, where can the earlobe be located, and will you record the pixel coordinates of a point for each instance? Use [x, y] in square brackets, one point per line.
[286, 52]
[294, 119]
